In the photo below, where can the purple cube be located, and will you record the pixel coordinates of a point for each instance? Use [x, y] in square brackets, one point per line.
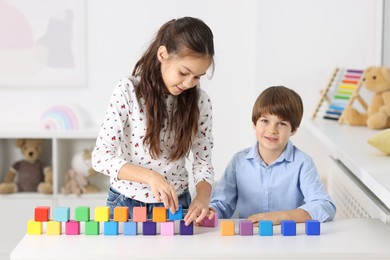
[186, 230]
[312, 227]
[149, 228]
[289, 228]
[246, 228]
[211, 222]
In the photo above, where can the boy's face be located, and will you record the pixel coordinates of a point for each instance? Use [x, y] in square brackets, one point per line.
[273, 134]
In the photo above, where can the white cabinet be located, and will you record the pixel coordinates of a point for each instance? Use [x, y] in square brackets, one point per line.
[59, 148]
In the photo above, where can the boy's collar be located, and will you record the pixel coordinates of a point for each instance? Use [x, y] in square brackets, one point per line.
[287, 154]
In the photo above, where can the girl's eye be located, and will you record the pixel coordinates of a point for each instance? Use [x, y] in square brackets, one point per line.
[183, 74]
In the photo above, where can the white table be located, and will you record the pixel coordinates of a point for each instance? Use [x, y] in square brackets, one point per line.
[342, 239]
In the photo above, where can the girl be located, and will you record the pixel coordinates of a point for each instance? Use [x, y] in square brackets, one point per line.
[155, 118]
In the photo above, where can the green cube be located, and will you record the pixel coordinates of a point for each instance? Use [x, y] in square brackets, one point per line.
[82, 213]
[92, 228]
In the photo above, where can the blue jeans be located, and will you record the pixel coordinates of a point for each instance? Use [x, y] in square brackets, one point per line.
[117, 199]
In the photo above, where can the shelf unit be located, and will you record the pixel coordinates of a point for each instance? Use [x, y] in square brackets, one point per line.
[59, 148]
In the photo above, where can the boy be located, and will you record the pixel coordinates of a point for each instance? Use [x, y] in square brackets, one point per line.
[273, 180]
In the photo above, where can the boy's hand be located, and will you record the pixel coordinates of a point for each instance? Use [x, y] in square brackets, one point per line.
[275, 217]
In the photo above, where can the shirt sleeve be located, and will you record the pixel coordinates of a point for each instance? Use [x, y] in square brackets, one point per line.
[317, 201]
[105, 158]
[203, 143]
[225, 195]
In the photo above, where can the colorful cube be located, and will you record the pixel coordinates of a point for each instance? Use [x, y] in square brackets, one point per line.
[130, 228]
[159, 214]
[211, 222]
[91, 228]
[266, 228]
[186, 230]
[246, 228]
[139, 214]
[168, 228]
[102, 214]
[110, 228]
[121, 214]
[312, 227]
[62, 214]
[149, 228]
[82, 213]
[53, 228]
[178, 215]
[227, 228]
[289, 228]
[34, 227]
[42, 213]
[72, 227]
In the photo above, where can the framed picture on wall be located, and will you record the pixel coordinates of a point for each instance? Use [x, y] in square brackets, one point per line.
[43, 43]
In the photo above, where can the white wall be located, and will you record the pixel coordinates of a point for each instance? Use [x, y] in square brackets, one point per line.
[258, 44]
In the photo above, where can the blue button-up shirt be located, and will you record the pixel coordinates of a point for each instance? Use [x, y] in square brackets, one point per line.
[290, 182]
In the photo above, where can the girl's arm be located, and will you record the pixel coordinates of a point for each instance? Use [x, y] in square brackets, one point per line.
[199, 207]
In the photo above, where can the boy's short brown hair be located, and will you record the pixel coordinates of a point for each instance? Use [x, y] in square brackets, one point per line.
[279, 101]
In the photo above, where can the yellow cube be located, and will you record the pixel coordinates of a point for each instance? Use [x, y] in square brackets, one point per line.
[102, 214]
[34, 227]
[159, 214]
[53, 228]
[227, 228]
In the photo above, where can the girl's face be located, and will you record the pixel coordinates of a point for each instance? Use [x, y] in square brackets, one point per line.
[181, 73]
[273, 134]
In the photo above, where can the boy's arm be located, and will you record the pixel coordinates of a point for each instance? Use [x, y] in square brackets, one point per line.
[298, 215]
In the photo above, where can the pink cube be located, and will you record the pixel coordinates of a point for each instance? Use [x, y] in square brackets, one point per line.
[139, 214]
[72, 227]
[211, 222]
[168, 228]
[246, 228]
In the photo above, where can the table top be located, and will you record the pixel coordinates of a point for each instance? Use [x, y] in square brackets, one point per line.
[349, 145]
[342, 239]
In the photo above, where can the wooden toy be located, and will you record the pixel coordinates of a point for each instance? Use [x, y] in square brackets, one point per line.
[130, 228]
[227, 228]
[149, 228]
[211, 222]
[91, 228]
[121, 214]
[186, 230]
[53, 228]
[110, 228]
[168, 228]
[288, 227]
[102, 214]
[246, 228]
[178, 215]
[139, 214]
[72, 227]
[312, 227]
[61, 214]
[159, 214]
[34, 227]
[82, 213]
[266, 228]
[42, 213]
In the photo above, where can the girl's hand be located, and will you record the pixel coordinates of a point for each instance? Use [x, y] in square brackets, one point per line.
[210, 215]
[199, 207]
[163, 191]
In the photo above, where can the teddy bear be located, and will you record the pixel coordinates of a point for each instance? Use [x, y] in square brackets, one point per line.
[77, 179]
[29, 174]
[376, 80]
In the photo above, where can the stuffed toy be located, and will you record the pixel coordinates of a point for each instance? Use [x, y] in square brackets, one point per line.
[29, 174]
[376, 80]
[381, 141]
[77, 179]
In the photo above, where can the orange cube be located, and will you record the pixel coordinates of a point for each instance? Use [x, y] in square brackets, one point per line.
[227, 228]
[159, 214]
[121, 214]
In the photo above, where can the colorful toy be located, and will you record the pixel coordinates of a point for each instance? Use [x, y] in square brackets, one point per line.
[288, 227]
[227, 228]
[34, 227]
[121, 214]
[139, 214]
[61, 214]
[312, 227]
[178, 215]
[53, 228]
[211, 222]
[246, 228]
[92, 228]
[111, 228]
[159, 214]
[102, 214]
[149, 228]
[82, 213]
[42, 213]
[266, 228]
[29, 174]
[186, 230]
[72, 227]
[168, 228]
[130, 228]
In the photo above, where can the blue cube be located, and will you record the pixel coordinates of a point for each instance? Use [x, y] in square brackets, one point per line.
[149, 228]
[186, 230]
[289, 228]
[111, 228]
[178, 215]
[130, 228]
[312, 227]
[61, 214]
[266, 228]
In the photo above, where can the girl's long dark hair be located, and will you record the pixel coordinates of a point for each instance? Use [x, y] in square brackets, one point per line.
[182, 37]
